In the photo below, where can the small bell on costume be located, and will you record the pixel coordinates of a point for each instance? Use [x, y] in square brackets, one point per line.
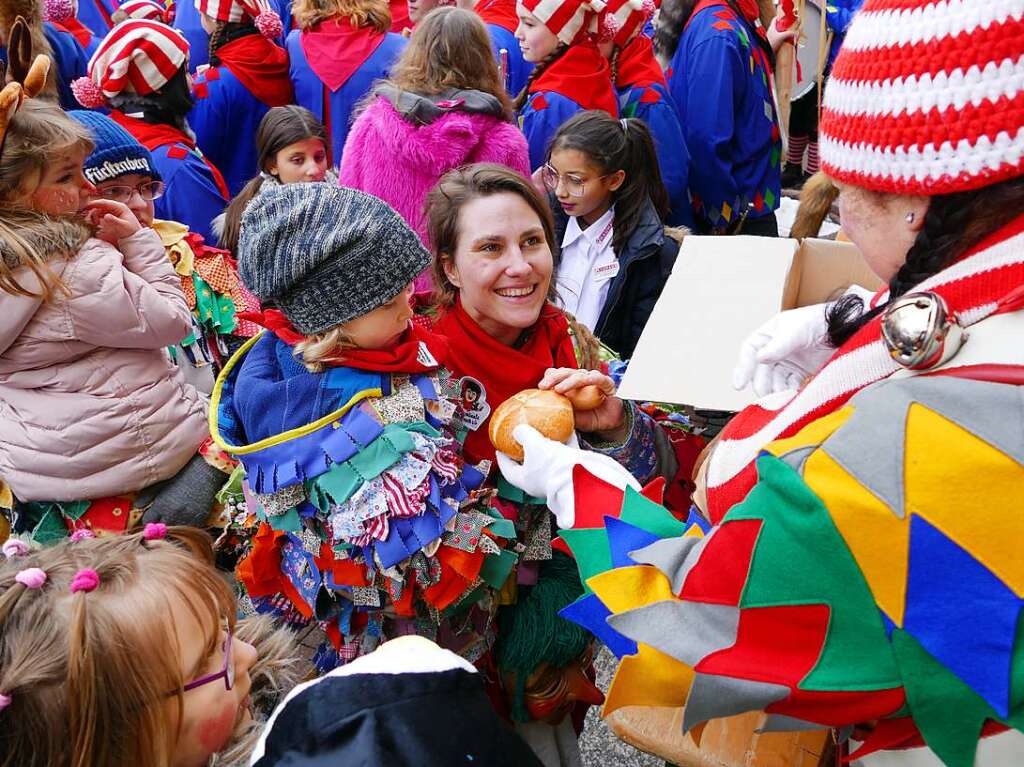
[919, 331]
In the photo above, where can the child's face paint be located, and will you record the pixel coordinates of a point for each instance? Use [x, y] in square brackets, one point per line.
[536, 41]
[502, 264]
[62, 188]
[212, 714]
[384, 326]
[300, 162]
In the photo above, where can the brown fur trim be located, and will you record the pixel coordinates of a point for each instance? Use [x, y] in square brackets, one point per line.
[49, 238]
[816, 200]
[677, 233]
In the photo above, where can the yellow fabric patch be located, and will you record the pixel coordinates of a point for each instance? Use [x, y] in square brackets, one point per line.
[6, 496]
[878, 539]
[627, 588]
[172, 235]
[649, 678]
[813, 434]
[969, 490]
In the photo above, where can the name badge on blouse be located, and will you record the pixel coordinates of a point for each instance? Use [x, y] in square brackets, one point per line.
[605, 272]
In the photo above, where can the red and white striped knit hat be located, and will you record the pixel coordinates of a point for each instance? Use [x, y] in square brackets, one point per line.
[147, 9]
[927, 97]
[567, 19]
[137, 56]
[266, 19]
[622, 20]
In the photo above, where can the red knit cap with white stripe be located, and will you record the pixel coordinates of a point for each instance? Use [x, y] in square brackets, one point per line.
[625, 18]
[145, 9]
[568, 20]
[927, 97]
[137, 56]
[266, 19]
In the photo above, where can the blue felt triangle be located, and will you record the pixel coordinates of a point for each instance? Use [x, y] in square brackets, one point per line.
[590, 613]
[624, 538]
[697, 519]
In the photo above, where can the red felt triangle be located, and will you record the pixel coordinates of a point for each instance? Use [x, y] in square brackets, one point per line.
[595, 499]
[654, 490]
[838, 709]
[719, 575]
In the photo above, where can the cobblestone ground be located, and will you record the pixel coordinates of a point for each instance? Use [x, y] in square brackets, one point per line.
[600, 746]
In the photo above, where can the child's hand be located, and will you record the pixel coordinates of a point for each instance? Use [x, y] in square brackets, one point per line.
[608, 419]
[114, 221]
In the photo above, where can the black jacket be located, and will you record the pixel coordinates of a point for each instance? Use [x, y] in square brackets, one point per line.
[644, 266]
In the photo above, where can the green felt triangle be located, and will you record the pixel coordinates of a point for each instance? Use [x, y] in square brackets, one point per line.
[50, 528]
[590, 548]
[502, 528]
[73, 509]
[650, 516]
[800, 558]
[496, 567]
[289, 522]
[509, 492]
[948, 713]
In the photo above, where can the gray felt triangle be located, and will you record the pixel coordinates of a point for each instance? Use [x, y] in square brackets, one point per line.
[674, 557]
[687, 631]
[713, 696]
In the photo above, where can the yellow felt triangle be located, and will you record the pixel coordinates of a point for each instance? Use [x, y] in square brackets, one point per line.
[649, 678]
[627, 588]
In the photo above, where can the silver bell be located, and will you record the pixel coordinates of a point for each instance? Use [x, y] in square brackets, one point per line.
[919, 331]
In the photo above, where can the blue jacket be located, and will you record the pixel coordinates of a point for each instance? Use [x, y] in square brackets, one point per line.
[719, 81]
[96, 14]
[338, 111]
[838, 15]
[518, 68]
[225, 118]
[192, 196]
[653, 105]
[645, 263]
[72, 62]
[539, 120]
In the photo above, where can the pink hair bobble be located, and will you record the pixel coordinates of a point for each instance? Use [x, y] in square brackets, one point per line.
[85, 580]
[81, 534]
[154, 531]
[31, 577]
[5, 701]
[15, 547]
[88, 93]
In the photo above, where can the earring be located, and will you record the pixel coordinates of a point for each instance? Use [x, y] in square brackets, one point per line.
[910, 217]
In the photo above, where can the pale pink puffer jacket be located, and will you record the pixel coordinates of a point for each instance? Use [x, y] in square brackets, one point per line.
[91, 405]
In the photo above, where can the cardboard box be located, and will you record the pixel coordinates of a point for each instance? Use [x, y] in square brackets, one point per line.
[720, 291]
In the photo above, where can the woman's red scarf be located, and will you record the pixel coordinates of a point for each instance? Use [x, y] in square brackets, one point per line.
[76, 29]
[501, 13]
[583, 75]
[637, 66]
[262, 67]
[335, 49]
[406, 356]
[154, 136]
[502, 370]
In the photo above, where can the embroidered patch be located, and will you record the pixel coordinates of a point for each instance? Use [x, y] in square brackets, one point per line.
[473, 408]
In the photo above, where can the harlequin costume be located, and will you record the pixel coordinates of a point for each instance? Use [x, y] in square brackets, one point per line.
[864, 560]
[333, 67]
[500, 18]
[643, 94]
[721, 81]
[248, 76]
[139, 58]
[579, 79]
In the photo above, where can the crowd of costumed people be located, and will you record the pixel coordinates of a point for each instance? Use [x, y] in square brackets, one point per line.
[315, 314]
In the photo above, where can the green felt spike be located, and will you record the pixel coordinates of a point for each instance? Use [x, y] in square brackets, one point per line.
[289, 522]
[801, 558]
[650, 516]
[50, 528]
[948, 713]
[496, 567]
[590, 547]
[509, 492]
[502, 528]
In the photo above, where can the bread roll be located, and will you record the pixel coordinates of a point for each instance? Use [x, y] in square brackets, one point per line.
[587, 397]
[546, 411]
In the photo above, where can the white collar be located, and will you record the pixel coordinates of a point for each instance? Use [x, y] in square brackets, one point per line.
[573, 231]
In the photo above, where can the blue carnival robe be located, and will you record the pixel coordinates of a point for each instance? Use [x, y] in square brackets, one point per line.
[186, 21]
[96, 14]
[72, 62]
[518, 67]
[338, 116]
[225, 118]
[719, 80]
[192, 196]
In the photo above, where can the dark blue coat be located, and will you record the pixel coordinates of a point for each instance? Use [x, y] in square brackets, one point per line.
[72, 62]
[719, 80]
[225, 118]
[338, 111]
[645, 263]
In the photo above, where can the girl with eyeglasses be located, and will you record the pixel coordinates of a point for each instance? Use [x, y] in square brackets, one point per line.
[125, 651]
[610, 208]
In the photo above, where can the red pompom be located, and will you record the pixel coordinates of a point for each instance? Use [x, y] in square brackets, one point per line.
[58, 10]
[88, 93]
[609, 28]
[269, 25]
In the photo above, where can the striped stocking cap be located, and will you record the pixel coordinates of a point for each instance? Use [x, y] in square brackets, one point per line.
[137, 56]
[147, 9]
[623, 19]
[266, 19]
[568, 20]
[927, 97]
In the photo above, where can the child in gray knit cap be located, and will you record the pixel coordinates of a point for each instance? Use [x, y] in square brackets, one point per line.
[369, 518]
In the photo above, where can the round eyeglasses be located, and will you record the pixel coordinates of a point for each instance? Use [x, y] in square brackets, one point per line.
[150, 190]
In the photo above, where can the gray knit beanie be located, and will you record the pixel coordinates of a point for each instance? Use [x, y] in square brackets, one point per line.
[326, 254]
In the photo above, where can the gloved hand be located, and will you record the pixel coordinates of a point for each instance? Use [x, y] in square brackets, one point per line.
[546, 471]
[787, 349]
[186, 498]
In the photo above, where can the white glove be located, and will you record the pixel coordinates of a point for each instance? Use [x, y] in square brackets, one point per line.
[787, 349]
[546, 471]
